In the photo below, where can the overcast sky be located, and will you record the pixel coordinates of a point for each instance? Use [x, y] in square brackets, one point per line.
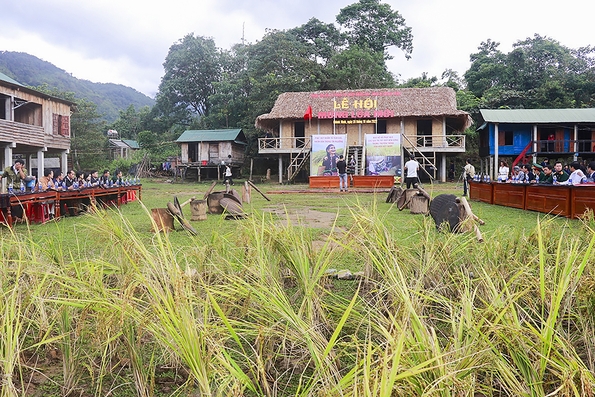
[126, 41]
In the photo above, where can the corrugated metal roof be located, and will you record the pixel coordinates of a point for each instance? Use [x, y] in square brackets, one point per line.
[131, 143]
[538, 115]
[4, 77]
[118, 143]
[236, 135]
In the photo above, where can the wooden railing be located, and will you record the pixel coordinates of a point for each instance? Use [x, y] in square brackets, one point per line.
[439, 141]
[280, 144]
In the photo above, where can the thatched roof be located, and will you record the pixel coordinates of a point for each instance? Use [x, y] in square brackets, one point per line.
[402, 102]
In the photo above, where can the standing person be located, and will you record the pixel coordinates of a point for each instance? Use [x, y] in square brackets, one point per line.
[411, 167]
[228, 175]
[469, 170]
[503, 171]
[342, 169]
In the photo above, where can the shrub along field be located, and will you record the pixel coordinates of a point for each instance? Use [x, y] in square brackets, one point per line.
[99, 305]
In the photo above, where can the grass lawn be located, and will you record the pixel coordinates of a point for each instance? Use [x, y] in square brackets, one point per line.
[100, 305]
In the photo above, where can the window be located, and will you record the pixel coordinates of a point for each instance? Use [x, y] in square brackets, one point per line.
[505, 138]
[381, 126]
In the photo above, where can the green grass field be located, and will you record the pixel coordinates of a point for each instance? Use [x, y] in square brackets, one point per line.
[99, 305]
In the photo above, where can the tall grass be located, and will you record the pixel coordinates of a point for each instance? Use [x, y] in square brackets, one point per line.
[254, 311]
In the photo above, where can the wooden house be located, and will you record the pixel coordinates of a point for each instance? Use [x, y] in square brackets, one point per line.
[428, 120]
[558, 134]
[207, 150]
[122, 148]
[32, 125]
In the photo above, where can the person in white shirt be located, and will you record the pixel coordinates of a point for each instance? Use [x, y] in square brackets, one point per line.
[577, 175]
[469, 174]
[411, 167]
[503, 171]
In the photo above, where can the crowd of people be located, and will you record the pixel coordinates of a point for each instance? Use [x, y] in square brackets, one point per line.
[18, 181]
[545, 173]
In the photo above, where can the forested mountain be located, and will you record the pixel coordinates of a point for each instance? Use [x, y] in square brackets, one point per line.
[109, 98]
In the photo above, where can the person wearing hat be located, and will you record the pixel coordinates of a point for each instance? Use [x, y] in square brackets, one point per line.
[411, 167]
[518, 176]
[538, 172]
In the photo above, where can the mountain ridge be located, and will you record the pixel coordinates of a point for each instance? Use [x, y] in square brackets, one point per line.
[110, 98]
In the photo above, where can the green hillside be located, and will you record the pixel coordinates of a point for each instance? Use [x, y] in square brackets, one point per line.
[110, 98]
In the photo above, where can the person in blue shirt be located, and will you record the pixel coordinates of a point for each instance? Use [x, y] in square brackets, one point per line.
[591, 172]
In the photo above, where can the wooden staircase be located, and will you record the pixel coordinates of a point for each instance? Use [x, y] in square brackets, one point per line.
[297, 162]
[426, 160]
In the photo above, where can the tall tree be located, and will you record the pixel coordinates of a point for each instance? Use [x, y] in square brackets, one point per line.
[356, 68]
[191, 67]
[375, 25]
[130, 121]
[538, 73]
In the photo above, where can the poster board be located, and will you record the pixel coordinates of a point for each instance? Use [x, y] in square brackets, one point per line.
[383, 154]
[325, 153]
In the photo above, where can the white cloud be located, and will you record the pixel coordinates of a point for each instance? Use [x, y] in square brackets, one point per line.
[126, 41]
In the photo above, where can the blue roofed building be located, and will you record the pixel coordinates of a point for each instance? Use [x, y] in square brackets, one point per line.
[558, 134]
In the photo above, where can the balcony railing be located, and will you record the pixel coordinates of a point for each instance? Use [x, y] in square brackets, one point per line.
[565, 146]
[282, 144]
[421, 141]
[439, 141]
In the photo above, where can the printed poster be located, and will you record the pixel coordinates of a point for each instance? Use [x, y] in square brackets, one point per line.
[383, 154]
[325, 153]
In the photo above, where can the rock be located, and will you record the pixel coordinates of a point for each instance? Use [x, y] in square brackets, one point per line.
[344, 275]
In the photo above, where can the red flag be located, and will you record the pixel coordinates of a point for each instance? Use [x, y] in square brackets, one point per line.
[520, 156]
[308, 114]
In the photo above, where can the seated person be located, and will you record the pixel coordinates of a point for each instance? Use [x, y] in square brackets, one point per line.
[577, 175]
[15, 176]
[548, 175]
[93, 179]
[69, 185]
[117, 178]
[518, 175]
[58, 181]
[47, 180]
[47, 183]
[559, 174]
[537, 172]
[591, 172]
[105, 179]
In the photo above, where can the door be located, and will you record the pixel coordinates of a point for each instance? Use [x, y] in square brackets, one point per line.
[299, 133]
